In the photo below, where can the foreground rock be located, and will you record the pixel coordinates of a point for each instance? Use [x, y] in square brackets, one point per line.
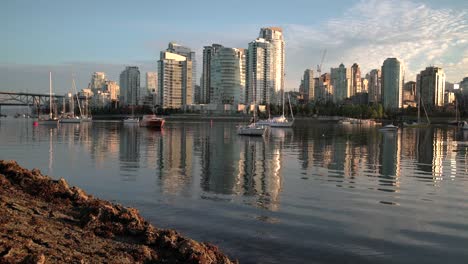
[47, 221]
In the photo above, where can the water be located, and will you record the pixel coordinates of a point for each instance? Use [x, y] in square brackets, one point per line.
[318, 193]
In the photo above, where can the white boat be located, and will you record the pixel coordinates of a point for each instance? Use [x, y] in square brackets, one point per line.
[390, 127]
[282, 121]
[464, 125]
[152, 121]
[50, 119]
[131, 120]
[74, 120]
[418, 123]
[251, 130]
[86, 119]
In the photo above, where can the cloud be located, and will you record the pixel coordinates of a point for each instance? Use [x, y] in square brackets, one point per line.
[371, 31]
[367, 33]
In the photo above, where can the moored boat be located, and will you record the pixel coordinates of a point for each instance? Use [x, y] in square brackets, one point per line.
[464, 125]
[281, 121]
[251, 130]
[50, 119]
[389, 127]
[131, 120]
[152, 121]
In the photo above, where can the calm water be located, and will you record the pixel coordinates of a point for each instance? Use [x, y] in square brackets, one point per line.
[318, 193]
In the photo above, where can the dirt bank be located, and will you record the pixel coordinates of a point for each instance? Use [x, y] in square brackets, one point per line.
[46, 221]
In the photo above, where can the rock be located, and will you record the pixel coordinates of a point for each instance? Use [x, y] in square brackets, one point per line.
[34, 259]
[42, 217]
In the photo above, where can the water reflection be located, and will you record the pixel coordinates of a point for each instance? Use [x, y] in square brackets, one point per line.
[208, 160]
[175, 170]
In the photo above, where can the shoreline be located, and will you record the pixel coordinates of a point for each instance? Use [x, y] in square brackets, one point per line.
[46, 221]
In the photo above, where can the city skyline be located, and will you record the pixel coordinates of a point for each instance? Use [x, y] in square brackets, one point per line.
[351, 34]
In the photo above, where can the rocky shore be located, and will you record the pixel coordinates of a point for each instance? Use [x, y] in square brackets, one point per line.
[47, 221]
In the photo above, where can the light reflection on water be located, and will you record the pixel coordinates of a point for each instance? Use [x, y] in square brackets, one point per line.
[320, 192]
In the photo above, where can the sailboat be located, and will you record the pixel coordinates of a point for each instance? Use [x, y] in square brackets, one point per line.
[71, 118]
[282, 121]
[51, 119]
[419, 123]
[132, 119]
[86, 117]
[252, 129]
[457, 121]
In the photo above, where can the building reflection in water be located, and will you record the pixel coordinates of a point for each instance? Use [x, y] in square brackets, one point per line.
[219, 162]
[390, 169]
[129, 150]
[259, 171]
[236, 165]
[219, 155]
[175, 170]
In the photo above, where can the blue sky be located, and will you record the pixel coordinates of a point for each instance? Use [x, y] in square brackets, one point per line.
[84, 36]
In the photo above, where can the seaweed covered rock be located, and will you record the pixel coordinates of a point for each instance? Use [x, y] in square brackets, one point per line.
[46, 221]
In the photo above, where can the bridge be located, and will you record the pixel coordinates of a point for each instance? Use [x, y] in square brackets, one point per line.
[26, 99]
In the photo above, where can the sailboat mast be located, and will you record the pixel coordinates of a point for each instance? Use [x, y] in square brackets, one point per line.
[50, 95]
[77, 99]
[419, 106]
[282, 90]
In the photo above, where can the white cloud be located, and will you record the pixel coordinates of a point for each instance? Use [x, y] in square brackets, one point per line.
[371, 31]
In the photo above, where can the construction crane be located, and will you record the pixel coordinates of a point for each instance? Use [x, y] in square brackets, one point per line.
[319, 67]
[319, 71]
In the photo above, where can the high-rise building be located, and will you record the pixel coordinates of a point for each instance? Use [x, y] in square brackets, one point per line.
[409, 94]
[113, 89]
[274, 35]
[430, 85]
[308, 85]
[175, 80]
[375, 86]
[341, 83]
[323, 87]
[190, 55]
[130, 86]
[259, 72]
[355, 79]
[228, 76]
[152, 82]
[98, 80]
[464, 86]
[205, 81]
[365, 84]
[392, 83]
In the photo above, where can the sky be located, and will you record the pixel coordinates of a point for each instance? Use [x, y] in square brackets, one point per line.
[81, 37]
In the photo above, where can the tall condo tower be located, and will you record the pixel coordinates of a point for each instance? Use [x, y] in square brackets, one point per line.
[274, 35]
[392, 83]
[228, 77]
[205, 81]
[430, 85]
[130, 85]
[175, 80]
[190, 56]
[259, 73]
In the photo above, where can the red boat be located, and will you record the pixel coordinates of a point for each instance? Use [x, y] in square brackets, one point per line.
[152, 121]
